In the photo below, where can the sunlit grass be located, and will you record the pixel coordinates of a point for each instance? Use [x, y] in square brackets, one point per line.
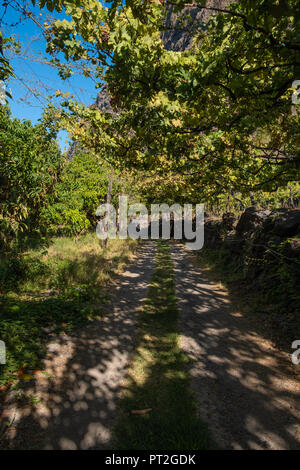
[158, 378]
[68, 262]
[54, 289]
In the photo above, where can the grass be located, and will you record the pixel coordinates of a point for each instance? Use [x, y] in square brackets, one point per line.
[67, 262]
[158, 379]
[50, 290]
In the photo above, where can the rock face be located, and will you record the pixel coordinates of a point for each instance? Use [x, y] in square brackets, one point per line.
[103, 101]
[286, 222]
[251, 219]
[180, 27]
[256, 227]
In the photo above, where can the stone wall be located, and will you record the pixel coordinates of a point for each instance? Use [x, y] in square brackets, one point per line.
[260, 252]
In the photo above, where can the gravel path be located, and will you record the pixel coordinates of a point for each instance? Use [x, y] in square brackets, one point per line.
[247, 391]
[78, 393]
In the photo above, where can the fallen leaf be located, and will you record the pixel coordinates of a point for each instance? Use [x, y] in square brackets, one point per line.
[26, 377]
[141, 412]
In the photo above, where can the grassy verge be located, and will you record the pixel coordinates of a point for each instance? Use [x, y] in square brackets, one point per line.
[158, 384]
[52, 290]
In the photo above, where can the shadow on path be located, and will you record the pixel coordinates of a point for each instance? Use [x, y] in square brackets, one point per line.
[84, 373]
[247, 390]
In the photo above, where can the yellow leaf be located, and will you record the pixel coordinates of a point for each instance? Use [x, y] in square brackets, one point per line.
[26, 377]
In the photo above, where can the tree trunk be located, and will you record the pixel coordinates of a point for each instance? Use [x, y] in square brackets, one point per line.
[227, 203]
[291, 197]
[253, 202]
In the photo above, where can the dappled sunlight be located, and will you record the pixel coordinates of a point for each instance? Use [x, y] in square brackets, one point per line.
[58, 290]
[79, 389]
[157, 410]
[247, 390]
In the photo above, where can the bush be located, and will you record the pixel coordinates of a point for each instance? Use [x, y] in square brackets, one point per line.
[64, 221]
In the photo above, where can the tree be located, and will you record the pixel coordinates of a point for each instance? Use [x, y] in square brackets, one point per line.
[30, 162]
[218, 113]
[81, 188]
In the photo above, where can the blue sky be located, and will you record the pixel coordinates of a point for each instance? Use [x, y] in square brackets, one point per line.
[31, 74]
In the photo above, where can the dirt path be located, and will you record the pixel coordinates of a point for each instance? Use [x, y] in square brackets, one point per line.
[79, 391]
[247, 390]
